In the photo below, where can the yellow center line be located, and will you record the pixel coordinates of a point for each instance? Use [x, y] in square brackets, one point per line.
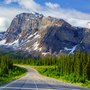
[48, 81]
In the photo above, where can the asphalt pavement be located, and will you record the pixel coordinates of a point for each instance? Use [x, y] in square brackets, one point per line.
[34, 81]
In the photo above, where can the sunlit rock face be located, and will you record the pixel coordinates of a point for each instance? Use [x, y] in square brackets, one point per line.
[40, 36]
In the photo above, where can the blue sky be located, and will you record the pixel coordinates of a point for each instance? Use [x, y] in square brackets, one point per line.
[81, 5]
[76, 12]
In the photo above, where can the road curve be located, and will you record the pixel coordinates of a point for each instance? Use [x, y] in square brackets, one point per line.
[34, 81]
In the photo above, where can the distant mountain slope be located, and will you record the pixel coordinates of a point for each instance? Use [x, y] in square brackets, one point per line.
[39, 35]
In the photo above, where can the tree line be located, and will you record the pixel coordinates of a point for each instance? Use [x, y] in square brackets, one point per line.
[6, 64]
[76, 66]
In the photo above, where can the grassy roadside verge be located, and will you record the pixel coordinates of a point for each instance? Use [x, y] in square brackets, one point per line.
[14, 74]
[43, 70]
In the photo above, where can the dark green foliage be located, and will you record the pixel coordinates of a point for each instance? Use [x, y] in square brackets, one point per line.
[75, 68]
[5, 64]
[13, 74]
[8, 72]
[18, 54]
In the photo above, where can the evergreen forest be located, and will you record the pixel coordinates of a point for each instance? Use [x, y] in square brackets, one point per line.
[74, 68]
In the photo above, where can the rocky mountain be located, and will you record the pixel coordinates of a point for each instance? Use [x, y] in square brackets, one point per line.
[2, 35]
[39, 35]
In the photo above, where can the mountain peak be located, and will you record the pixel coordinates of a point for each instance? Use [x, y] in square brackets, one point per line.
[40, 35]
[35, 13]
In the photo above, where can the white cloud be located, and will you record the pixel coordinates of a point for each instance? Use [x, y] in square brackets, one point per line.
[10, 1]
[30, 4]
[78, 22]
[51, 5]
[6, 16]
[27, 4]
[4, 23]
[75, 18]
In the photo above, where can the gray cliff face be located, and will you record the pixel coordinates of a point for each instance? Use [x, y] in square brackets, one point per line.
[2, 35]
[40, 35]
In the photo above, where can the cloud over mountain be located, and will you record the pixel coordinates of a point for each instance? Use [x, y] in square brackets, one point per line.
[51, 5]
[72, 16]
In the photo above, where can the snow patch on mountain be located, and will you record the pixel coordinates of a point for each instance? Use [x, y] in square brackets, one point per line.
[65, 48]
[35, 13]
[27, 19]
[35, 35]
[30, 36]
[14, 44]
[40, 49]
[35, 46]
[23, 42]
[54, 53]
[3, 42]
[27, 48]
[19, 35]
[60, 50]
[72, 51]
[45, 53]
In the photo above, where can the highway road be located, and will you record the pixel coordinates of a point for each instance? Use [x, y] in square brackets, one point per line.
[34, 81]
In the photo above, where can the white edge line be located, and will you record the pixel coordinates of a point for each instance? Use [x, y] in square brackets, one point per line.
[35, 85]
[2, 87]
[7, 85]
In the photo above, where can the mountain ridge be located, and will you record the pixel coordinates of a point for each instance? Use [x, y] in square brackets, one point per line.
[40, 36]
